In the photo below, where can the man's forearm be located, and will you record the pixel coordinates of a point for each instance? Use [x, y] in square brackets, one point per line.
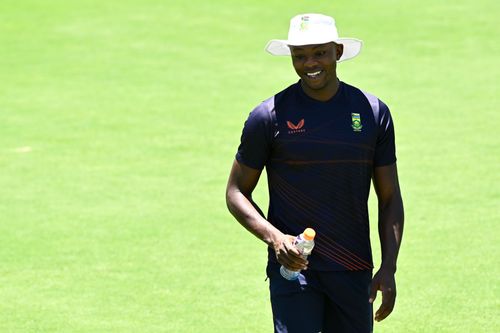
[390, 227]
[251, 217]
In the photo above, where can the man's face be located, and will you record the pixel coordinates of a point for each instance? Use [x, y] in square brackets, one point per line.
[316, 65]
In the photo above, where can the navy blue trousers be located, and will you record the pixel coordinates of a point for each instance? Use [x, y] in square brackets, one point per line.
[321, 301]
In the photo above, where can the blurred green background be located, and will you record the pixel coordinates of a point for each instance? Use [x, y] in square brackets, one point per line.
[119, 121]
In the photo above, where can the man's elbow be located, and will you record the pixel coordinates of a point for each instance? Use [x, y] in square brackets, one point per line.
[389, 200]
[232, 199]
[229, 199]
[392, 205]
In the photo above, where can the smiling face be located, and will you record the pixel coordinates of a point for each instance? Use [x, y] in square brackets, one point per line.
[316, 65]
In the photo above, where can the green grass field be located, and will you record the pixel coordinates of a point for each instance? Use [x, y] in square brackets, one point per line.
[119, 121]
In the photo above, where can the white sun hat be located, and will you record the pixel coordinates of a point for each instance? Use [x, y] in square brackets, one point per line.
[310, 29]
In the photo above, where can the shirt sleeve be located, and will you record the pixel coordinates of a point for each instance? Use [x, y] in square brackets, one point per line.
[385, 151]
[256, 138]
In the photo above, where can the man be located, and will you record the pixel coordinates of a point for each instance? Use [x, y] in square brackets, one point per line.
[322, 141]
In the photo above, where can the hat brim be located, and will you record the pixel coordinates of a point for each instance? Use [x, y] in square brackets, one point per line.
[352, 47]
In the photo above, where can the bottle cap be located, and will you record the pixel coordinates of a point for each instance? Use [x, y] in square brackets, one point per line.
[309, 234]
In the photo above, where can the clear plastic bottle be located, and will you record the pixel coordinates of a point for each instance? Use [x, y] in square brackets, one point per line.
[304, 243]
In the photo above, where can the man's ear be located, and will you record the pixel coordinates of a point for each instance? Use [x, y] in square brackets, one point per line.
[340, 51]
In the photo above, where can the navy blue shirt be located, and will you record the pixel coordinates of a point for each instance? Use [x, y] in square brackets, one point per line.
[319, 157]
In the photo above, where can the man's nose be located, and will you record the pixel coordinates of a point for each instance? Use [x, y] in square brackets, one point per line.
[310, 62]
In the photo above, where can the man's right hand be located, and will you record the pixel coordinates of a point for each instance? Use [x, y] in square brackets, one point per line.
[287, 253]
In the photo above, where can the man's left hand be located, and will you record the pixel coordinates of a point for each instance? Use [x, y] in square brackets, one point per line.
[385, 282]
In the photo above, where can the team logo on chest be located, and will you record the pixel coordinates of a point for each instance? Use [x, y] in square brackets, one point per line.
[296, 128]
[356, 122]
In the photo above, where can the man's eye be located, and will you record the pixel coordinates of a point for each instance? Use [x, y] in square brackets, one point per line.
[320, 53]
[299, 57]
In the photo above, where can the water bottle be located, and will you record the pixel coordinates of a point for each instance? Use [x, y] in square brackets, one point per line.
[304, 243]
